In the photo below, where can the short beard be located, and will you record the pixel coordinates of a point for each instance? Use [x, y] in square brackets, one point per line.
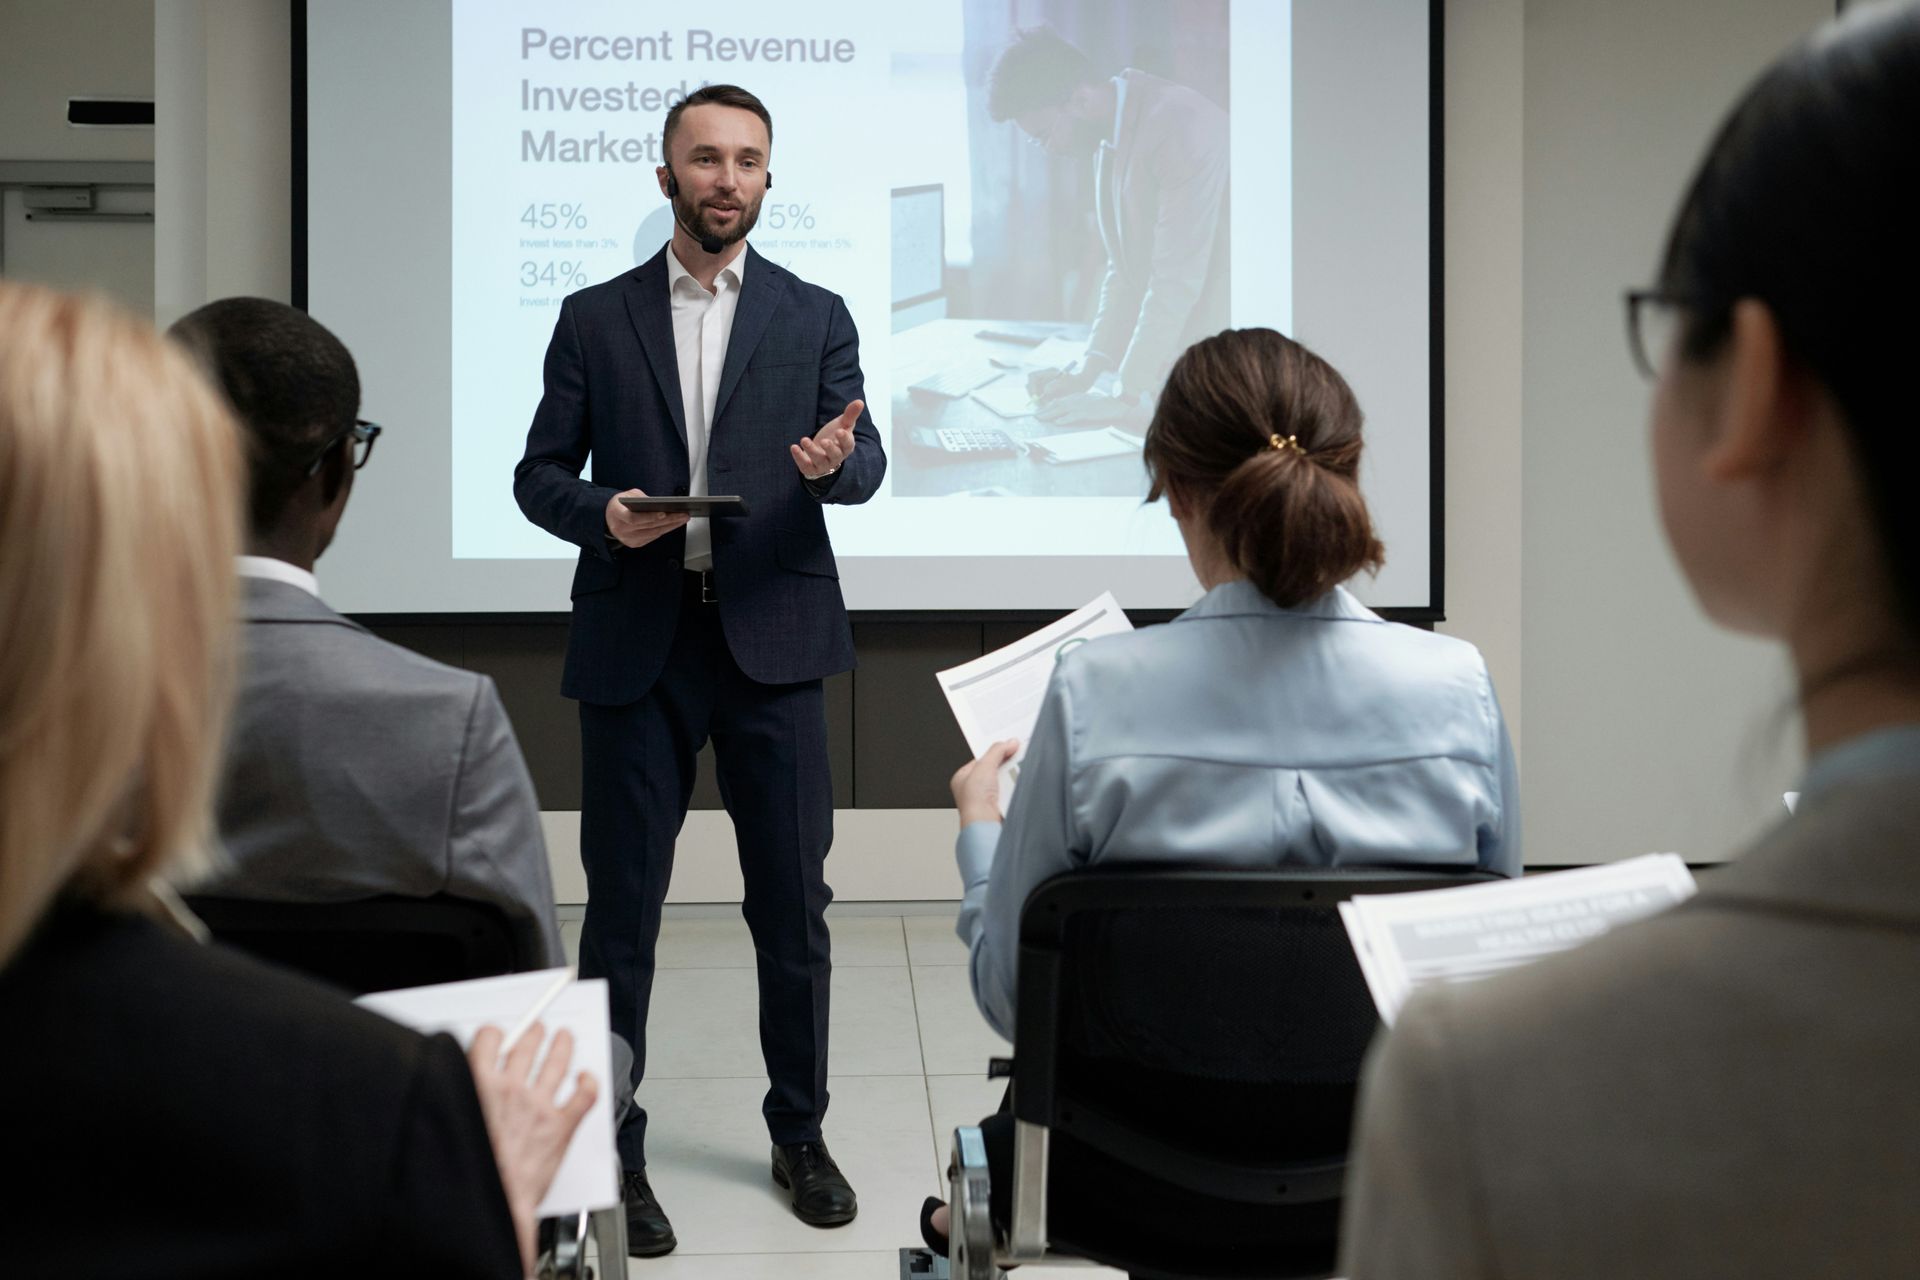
[694, 219]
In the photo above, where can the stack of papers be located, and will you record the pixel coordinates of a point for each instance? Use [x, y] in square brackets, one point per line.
[1406, 941]
[998, 696]
[587, 1178]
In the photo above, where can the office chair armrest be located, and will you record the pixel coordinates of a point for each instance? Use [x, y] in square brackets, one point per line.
[970, 1222]
[562, 1248]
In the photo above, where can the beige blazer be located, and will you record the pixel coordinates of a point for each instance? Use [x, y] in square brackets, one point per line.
[1730, 1089]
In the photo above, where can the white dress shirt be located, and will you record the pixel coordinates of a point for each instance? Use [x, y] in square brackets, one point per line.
[278, 571]
[702, 327]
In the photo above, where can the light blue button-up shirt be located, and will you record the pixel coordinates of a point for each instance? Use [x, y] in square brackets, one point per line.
[1246, 735]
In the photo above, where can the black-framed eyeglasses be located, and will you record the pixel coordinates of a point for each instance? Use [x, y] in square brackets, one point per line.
[1652, 320]
[362, 433]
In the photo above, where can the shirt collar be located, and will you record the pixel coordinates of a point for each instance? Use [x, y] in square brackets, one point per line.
[734, 271]
[1877, 754]
[278, 571]
[1241, 598]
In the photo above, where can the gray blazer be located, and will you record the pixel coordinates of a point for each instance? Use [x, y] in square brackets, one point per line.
[357, 768]
[1727, 1089]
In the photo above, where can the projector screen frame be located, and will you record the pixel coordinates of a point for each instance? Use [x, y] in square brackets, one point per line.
[1426, 615]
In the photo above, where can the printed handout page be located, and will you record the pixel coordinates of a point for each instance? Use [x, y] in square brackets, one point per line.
[1405, 941]
[998, 695]
[587, 1177]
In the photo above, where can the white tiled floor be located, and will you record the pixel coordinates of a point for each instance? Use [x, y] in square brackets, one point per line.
[908, 1060]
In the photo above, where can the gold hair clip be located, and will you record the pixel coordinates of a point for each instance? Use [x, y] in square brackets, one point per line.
[1280, 444]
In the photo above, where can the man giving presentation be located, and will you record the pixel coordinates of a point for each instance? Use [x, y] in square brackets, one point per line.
[708, 370]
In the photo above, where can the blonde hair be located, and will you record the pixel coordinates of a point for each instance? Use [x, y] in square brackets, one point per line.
[120, 488]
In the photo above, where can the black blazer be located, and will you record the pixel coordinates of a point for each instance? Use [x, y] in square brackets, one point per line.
[169, 1109]
[613, 393]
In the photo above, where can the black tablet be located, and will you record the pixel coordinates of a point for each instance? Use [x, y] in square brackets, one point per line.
[714, 505]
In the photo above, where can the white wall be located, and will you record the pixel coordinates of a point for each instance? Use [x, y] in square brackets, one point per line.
[1646, 728]
[1483, 209]
[223, 162]
[51, 50]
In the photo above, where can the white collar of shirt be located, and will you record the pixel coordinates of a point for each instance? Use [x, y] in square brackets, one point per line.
[734, 272]
[279, 571]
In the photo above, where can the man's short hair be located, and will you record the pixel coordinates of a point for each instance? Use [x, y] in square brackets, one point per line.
[1039, 69]
[718, 95]
[290, 382]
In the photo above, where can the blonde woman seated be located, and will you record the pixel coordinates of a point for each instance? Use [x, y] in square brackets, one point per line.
[1278, 722]
[171, 1109]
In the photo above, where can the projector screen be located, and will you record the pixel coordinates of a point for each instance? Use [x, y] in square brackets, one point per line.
[469, 164]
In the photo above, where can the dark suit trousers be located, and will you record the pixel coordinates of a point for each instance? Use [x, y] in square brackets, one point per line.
[770, 744]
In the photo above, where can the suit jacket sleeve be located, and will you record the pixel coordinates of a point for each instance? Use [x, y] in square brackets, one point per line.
[1190, 165]
[1115, 317]
[446, 1212]
[1414, 1206]
[495, 849]
[841, 384]
[1001, 866]
[547, 483]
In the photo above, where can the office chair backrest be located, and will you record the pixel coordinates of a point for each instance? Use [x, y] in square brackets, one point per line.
[376, 944]
[1193, 1039]
[1238, 995]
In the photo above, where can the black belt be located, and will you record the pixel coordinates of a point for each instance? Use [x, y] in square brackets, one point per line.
[696, 587]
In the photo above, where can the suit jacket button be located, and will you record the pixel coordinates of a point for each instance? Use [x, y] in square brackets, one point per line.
[680, 491]
[673, 562]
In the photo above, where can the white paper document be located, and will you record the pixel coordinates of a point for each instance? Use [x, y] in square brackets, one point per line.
[1085, 446]
[1007, 396]
[998, 696]
[1405, 941]
[587, 1177]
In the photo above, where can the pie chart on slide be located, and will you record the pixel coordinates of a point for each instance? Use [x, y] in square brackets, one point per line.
[655, 230]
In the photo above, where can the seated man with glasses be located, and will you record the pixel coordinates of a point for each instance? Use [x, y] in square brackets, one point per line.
[355, 768]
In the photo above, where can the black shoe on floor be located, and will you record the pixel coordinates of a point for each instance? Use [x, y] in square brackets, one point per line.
[649, 1234]
[821, 1196]
[935, 1241]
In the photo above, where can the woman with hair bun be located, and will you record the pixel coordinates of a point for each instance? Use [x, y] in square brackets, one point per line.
[1278, 722]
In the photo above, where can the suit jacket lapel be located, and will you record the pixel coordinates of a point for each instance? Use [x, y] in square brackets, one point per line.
[652, 314]
[762, 285]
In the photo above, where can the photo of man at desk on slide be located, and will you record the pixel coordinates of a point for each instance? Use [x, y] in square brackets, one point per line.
[1121, 213]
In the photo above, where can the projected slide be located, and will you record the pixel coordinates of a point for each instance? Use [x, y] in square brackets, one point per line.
[980, 259]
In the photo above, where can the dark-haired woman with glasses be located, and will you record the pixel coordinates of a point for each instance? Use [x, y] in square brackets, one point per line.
[1727, 1089]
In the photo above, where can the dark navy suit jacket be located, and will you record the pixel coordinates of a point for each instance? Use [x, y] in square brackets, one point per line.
[613, 394]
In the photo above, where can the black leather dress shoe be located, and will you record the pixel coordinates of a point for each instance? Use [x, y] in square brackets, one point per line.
[649, 1234]
[821, 1196]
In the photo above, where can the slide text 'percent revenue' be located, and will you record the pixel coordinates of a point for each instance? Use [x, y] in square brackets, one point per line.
[699, 45]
